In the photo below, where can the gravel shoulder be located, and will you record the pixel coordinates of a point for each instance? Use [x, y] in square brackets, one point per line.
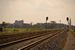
[70, 43]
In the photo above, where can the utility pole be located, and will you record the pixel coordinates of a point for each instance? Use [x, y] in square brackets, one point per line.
[60, 21]
[60, 24]
[70, 23]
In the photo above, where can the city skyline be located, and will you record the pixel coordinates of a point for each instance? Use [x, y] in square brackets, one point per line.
[36, 11]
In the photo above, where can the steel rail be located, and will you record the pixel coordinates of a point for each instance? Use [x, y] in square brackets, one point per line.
[20, 40]
[27, 47]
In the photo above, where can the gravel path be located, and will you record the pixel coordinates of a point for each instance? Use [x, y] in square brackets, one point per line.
[70, 44]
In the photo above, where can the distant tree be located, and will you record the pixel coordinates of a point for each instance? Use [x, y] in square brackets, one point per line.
[3, 25]
[2, 28]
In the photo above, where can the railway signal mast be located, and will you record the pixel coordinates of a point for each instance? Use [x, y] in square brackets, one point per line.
[46, 21]
[69, 22]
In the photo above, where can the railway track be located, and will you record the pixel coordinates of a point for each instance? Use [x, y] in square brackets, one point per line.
[32, 45]
[25, 44]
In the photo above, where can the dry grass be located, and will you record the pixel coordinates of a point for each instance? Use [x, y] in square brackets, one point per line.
[10, 31]
[15, 36]
[72, 31]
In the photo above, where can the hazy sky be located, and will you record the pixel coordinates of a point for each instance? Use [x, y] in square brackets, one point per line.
[36, 10]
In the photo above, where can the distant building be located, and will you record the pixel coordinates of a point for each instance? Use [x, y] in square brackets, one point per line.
[19, 23]
[51, 25]
[53, 22]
